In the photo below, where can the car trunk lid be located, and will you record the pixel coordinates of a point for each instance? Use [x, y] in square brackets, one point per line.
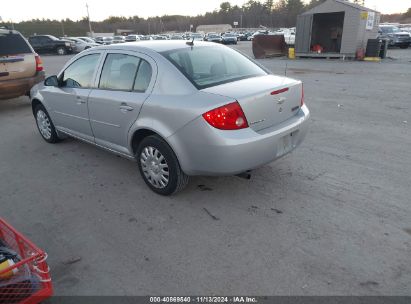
[17, 66]
[266, 100]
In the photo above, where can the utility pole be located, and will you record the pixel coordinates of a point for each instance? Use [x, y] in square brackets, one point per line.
[89, 22]
[62, 27]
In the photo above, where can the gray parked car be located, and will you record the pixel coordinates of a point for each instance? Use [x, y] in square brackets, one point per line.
[177, 109]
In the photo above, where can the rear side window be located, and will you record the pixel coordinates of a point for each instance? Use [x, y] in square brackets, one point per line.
[12, 44]
[80, 73]
[143, 77]
[126, 73]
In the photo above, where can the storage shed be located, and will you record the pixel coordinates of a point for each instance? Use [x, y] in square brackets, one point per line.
[335, 28]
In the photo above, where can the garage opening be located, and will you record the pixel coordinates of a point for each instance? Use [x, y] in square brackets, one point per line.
[327, 31]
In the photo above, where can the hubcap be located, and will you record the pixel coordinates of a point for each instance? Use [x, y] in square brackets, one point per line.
[155, 167]
[44, 124]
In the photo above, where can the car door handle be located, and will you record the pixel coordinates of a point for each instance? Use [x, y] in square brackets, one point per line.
[80, 100]
[125, 107]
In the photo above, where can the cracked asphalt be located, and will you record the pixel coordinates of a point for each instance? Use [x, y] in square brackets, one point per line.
[332, 218]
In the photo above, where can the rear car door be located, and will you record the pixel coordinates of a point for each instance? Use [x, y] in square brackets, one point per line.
[126, 81]
[68, 102]
[47, 44]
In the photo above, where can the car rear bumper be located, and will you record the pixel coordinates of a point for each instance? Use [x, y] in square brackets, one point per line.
[18, 87]
[204, 150]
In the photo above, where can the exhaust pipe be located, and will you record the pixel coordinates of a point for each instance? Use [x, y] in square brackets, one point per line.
[246, 175]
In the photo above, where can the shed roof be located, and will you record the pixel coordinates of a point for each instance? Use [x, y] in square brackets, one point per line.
[343, 2]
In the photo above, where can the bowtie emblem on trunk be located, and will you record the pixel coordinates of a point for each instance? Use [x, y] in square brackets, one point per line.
[281, 100]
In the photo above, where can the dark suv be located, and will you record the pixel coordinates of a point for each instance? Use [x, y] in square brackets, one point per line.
[20, 67]
[51, 44]
[395, 35]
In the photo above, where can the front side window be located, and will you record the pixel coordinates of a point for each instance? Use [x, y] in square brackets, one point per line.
[126, 73]
[210, 66]
[80, 73]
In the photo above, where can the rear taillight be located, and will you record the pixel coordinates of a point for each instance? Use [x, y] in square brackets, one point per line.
[39, 63]
[228, 117]
[302, 95]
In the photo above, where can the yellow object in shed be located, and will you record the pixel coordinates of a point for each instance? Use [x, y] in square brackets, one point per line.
[3, 266]
[291, 53]
[372, 59]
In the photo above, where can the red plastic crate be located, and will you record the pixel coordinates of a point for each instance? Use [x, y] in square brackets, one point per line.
[31, 283]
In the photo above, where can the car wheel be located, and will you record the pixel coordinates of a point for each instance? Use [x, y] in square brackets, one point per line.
[61, 51]
[45, 125]
[159, 166]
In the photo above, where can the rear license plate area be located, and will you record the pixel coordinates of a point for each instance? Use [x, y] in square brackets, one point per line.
[286, 144]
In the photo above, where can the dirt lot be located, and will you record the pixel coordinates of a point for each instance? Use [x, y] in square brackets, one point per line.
[332, 218]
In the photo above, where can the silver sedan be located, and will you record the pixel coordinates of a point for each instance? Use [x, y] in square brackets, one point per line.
[178, 108]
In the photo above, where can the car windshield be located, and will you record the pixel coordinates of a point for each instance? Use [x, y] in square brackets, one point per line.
[390, 29]
[229, 35]
[52, 37]
[210, 66]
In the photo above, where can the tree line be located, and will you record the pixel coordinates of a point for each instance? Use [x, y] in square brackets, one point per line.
[253, 14]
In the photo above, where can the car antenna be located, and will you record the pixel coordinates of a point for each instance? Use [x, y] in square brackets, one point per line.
[191, 43]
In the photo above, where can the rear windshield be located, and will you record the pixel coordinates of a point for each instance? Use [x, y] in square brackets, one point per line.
[210, 66]
[11, 44]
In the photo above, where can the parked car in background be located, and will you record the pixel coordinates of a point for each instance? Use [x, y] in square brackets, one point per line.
[195, 37]
[145, 37]
[397, 37]
[20, 67]
[261, 32]
[104, 40]
[118, 39]
[99, 40]
[214, 38]
[289, 35]
[244, 36]
[231, 115]
[158, 37]
[81, 45]
[51, 44]
[176, 37]
[132, 38]
[229, 38]
[87, 39]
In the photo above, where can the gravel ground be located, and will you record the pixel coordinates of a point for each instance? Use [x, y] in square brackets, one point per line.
[332, 218]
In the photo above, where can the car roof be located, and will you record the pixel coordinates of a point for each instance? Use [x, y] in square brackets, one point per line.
[157, 46]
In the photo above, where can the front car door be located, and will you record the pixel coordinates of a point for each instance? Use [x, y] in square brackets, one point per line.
[68, 101]
[36, 43]
[125, 82]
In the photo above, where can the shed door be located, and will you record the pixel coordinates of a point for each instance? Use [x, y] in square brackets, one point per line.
[303, 35]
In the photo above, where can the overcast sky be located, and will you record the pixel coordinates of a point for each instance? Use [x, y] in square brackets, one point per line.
[101, 9]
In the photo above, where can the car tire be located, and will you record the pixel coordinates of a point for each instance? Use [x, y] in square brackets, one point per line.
[159, 166]
[45, 125]
[61, 51]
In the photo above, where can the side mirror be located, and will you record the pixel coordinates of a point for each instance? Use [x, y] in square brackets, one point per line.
[51, 81]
